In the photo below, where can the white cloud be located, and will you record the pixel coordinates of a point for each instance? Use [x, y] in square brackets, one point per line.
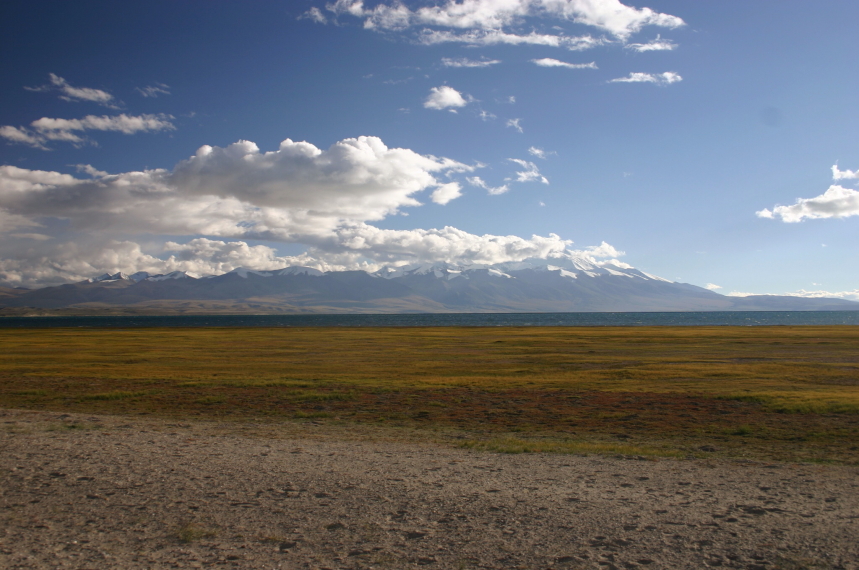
[654, 45]
[847, 295]
[58, 227]
[608, 15]
[844, 174]
[465, 62]
[49, 129]
[22, 136]
[203, 256]
[154, 90]
[514, 124]
[314, 14]
[446, 192]
[444, 97]
[666, 78]
[445, 244]
[91, 170]
[539, 152]
[69, 93]
[549, 62]
[123, 123]
[484, 115]
[836, 202]
[237, 191]
[361, 247]
[492, 190]
[603, 250]
[530, 173]
[54, 264]
[712, 287]
[477, 38]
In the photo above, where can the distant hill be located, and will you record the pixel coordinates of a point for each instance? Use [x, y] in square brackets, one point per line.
[568, 284]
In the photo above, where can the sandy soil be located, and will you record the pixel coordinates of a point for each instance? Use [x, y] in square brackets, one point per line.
[153, 494]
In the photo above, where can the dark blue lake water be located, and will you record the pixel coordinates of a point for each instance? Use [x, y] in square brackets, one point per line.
[727, 318]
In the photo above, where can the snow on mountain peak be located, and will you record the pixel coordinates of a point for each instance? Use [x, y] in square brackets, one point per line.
[107, 277]
[441, 269]
[570, 265]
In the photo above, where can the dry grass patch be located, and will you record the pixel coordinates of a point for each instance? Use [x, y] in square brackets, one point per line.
[796, 388]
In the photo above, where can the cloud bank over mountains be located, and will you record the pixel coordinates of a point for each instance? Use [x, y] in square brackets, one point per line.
[322, 199]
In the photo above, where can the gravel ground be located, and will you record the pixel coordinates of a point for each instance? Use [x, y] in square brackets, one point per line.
[108, 492]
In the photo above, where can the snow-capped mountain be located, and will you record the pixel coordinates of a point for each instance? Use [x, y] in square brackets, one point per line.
[567, 283]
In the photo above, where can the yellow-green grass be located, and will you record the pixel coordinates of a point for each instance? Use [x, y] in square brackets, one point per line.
[687, 385]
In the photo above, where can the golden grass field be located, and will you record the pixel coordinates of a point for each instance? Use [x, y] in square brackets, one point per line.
[788, 393]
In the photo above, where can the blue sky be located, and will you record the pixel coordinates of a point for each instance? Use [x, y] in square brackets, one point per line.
[692, 140]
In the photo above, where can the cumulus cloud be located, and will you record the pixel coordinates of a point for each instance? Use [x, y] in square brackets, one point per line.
[844, 174]
[654, 45]
[530, 173]
[237, 191]
[446, 192]
[836, 202]
[69, 93]
[712, 286]
[549, 62]
[446, 244]
[59, 227]
[445, 97]
[514, 124]
[154, 90]
[465, 62]
[492, 190]
[666, 78]
[54, 264]
[49, 129]
[601, 251]
[608, 15]
[358, 247]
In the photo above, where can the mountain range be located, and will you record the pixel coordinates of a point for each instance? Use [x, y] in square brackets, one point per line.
[564, 284]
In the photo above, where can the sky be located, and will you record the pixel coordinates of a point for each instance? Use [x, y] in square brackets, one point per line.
[711, 142]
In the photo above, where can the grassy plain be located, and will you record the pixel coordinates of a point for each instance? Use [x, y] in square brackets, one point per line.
[788, 393]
